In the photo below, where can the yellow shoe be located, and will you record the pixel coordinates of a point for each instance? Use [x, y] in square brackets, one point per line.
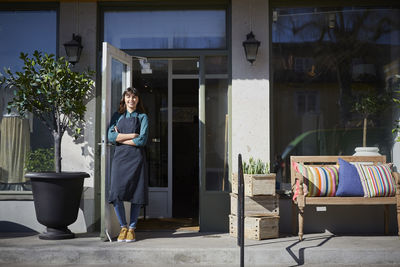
[122, 234]
[130, 237]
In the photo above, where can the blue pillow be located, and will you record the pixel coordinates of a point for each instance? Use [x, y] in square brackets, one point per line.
[349, 181]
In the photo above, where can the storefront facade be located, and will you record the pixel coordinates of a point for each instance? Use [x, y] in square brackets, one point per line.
[205, 101]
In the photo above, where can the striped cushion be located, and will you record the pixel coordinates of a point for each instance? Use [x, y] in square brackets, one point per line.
[320, 181]
[377, 180]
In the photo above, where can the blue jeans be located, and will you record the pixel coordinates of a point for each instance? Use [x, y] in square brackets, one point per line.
[120, 212]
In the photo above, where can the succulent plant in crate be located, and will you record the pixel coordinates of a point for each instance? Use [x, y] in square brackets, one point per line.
[256, 167]
[257, 178]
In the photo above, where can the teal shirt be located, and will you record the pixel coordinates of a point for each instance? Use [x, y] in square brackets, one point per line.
[141, 140]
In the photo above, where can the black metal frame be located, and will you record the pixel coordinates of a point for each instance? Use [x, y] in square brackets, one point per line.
[240, 211]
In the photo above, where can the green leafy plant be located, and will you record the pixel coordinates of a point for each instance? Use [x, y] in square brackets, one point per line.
[40, 160]
[255, 167]
[368, 104]
[49, 89]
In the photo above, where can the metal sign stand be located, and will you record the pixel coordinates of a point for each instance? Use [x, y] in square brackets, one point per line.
[240, 211]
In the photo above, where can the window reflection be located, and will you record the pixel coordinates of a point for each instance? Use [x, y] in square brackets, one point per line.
[217, 135]
[324, 59]
[23, 31]
[154, 91]
[183, 29]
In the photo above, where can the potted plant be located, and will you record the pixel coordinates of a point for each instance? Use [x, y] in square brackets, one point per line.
[258, 180]
[367, 105]
[56, 95]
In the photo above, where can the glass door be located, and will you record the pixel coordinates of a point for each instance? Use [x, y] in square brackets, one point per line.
[116, 77]
[170, 91]
[152, 81]
[185, 129]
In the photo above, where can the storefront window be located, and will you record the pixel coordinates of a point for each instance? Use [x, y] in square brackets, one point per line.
[217, 169]
[22, 31]
[172, 29]
[324, 61]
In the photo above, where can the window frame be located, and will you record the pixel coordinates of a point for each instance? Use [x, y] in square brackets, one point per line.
[23, 6]
[170, 6]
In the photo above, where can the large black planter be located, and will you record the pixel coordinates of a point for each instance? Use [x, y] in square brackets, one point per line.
[57, 197]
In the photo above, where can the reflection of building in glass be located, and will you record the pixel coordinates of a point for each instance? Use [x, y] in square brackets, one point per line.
[392, 74]
[334, 58]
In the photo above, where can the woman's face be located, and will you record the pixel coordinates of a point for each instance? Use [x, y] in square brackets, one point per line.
[131, 101]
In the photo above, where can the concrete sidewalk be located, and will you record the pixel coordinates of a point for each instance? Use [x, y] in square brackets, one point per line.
[183, 248]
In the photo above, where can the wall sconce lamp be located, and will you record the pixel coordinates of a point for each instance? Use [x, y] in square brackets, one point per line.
[251, 47]
[73, 49]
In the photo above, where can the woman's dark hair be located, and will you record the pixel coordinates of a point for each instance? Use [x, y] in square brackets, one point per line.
[139, 106]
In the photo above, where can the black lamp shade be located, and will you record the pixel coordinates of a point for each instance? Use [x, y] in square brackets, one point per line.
[73, 49]
[251, 47]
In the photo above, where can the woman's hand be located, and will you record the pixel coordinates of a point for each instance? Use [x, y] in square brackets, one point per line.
[126, 137]
[116, 129]
[128, 142]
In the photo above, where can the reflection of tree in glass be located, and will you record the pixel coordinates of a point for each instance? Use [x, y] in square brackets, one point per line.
[369, 104]
[341, 37]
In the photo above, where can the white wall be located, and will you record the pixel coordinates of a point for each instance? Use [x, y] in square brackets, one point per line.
[78, 155]
[250, 83]
[80, 18]
[22, 217]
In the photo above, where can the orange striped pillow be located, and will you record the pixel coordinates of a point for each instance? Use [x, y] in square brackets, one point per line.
[320, 181]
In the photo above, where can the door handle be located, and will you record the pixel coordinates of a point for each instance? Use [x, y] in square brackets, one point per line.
[102, 143]
[155, 140]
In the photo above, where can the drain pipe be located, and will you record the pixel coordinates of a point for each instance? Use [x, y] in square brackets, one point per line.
[240, 211]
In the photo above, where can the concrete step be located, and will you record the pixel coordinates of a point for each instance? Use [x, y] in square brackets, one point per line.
[200, 249]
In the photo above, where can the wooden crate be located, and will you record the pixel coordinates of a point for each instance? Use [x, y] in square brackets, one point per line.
[256, 228]
[255, 184]
[257, 205]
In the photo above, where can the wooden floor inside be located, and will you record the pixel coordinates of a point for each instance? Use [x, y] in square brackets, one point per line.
[168, 224]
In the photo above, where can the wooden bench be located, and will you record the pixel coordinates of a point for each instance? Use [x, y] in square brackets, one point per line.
[302, 200]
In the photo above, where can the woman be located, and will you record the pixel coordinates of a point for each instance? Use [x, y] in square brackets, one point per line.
[129, 180]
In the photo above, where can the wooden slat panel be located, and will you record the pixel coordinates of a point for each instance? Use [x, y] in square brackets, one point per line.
[350, 200]
[257, 205]
[255, 184]
[256, 228]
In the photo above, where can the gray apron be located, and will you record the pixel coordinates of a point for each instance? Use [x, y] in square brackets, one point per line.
[129, 178]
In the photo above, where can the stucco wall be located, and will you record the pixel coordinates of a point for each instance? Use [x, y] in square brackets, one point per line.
[250, 83]
[80, 18]
[78, 155]
[19, 216]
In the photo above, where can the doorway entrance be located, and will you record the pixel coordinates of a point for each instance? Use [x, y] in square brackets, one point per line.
[170, 93]
[187, 148]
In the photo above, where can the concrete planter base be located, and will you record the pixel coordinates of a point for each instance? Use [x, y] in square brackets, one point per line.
[366, 151]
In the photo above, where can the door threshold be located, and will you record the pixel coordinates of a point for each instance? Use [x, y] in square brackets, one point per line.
[168, 224]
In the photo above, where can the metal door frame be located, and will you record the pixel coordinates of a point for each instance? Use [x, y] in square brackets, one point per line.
[172, 77]
[109, 52]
